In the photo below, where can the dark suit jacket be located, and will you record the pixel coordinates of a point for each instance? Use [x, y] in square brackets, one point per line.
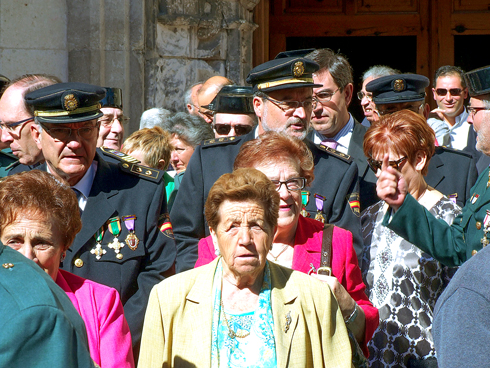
[335, 179]
[118, 193]
[367, 178]
[39, 327]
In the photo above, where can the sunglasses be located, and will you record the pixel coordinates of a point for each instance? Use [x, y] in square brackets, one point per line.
[224, 129]
[375, 165]
[452, 91]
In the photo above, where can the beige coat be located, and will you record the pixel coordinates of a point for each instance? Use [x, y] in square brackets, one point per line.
[177, 329]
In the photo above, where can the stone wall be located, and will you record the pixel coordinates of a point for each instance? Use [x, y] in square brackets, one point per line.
[153, 49]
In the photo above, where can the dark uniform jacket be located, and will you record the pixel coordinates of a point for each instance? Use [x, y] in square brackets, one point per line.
[116, 191]
[450, 245]
[39, 327]
[335, 179]
[6, 161]
[452, 172]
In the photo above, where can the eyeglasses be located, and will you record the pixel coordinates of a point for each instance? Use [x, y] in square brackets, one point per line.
[290, 106]
[361, 95]
[224, 129]
[375, 165]
[293, 184]
[207, 113]
[11, 127]
[323, 97]
[452, 91]
[104, 121]
[63, 133]
[473, 110]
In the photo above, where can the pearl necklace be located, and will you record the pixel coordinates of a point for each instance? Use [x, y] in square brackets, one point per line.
[232, 334]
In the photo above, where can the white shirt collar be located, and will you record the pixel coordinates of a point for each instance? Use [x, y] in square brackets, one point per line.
[342, 137]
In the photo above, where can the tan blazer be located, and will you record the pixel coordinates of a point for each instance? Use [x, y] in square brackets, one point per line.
[177, 328]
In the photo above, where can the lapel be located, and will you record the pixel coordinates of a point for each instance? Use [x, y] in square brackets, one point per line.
[305, 248]
[355, 148]
[285, 313]
[199, 311]
[99, 207]
[434, 175]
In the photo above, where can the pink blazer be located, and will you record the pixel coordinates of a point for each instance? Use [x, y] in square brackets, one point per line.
[307, 248]
[108, 333]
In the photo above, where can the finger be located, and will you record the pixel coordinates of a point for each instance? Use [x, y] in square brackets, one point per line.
[437, 110]
[385, 164]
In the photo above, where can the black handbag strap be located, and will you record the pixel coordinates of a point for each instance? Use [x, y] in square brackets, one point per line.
[326, 255]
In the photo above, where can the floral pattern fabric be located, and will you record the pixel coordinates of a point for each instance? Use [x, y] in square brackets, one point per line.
[404, 283]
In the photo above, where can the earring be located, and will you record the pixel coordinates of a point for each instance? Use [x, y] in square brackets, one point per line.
[63, 255]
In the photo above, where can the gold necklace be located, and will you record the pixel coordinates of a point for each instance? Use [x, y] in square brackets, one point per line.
[281, 252]
[232, 334]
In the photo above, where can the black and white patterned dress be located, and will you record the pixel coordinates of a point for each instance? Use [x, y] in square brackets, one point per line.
[403, 283]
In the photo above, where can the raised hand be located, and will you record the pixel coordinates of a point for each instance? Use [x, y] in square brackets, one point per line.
[391, 186]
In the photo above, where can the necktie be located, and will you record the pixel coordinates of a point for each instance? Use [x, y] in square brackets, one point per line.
[79, 197]
[329, 142]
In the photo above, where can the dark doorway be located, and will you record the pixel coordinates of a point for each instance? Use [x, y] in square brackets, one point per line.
[399, 52]
[469, 51]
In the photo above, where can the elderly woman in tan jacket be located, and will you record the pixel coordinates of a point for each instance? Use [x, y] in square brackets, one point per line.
[241, 310]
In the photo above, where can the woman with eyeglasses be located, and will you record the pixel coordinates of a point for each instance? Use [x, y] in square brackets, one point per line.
[403, 282]
[297, 242]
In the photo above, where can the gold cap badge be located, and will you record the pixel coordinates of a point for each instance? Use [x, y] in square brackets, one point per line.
[71, 102]
[298, 69]
[399, 85]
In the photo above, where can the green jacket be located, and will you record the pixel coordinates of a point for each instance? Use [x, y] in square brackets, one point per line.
[450, 245]
[39, 327]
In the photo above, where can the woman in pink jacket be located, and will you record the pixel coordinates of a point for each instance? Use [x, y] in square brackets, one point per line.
[39, 217]
[298, 240]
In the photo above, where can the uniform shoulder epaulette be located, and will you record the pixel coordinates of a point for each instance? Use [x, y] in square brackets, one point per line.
[335, 153]
[453, 150]
[120, 156]
[144, 172]
[219, 141]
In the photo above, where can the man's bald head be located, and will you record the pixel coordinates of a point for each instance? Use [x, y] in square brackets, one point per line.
[208, 92]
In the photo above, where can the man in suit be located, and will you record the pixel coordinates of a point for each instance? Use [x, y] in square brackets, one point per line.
[123, 206]
[17, 117]
[282, 102]
[39, 327]
[332, 123]
[450, 245]
[452, 172]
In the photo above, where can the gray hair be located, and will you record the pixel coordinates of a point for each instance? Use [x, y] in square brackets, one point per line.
[378, 71]
[188, 95]
[335, 63]
[190, 128]
[154, 117]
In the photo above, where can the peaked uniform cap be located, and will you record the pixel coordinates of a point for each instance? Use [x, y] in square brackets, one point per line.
[398, 88]
[66, 102]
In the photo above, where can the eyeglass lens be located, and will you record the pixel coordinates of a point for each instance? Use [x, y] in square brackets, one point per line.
[291, 184]
[64, 133]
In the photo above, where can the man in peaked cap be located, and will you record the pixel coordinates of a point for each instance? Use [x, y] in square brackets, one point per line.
[461, 318]
[122, 206]
[233, 113]
[452, 172]
[282, 101]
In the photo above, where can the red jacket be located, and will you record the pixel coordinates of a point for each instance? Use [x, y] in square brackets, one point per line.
[308, 244]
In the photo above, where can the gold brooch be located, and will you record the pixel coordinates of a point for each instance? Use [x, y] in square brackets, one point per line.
[71, 102]
[399, 85]
[298, 69]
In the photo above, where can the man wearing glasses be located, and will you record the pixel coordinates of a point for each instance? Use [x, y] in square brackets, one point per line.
[233, 113]
[122, 206]
[452, 172]
[283, 102]
[450, 93]
[461, 314]
[332, 123]
[111, 132]
[17, 118]
[207, 93]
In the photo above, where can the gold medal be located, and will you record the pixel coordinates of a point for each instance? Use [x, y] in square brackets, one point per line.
[131, 239]
[114, 226]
